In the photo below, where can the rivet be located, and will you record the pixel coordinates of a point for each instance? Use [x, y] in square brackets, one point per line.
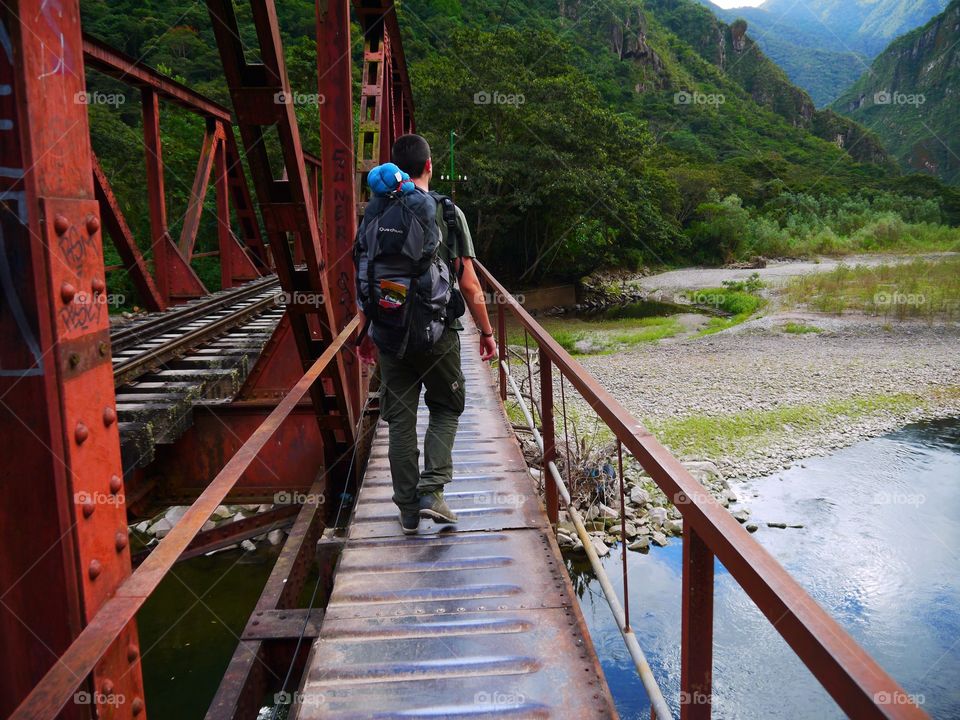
[136, 706]
[74, 360]
[82, 432]
[67, 292]
[102, 349]
[132, 652]
[94, 570]
[93, 224]
[61, 224]
[109, 416]
[88, 508]
[97, 285]
[116, 484]
[107, 686]
[121, 540]
[255, 622]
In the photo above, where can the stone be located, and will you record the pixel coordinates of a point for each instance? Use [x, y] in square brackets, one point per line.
[264, 508]
[608, 512]
[779, 525]
[752, 527]
[173, 515]
[160, 528]
[659, 539]
[730, 496]
[208, 525]
[641, 544]
[142, 526]
[600, 547]
[639, 496]
[275, 537]
[673, 527]
[658, 516]
[248, 545]
[222, 513]
[742, 515]
[565, 541]
[592, 513]
[631, 530]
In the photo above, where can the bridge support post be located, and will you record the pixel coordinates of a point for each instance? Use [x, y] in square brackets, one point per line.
[548, 433]
[696, 634]
[63, 531]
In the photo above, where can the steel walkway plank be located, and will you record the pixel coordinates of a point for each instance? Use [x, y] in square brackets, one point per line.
[474, 620]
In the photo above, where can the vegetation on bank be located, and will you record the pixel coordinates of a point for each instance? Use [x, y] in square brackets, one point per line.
[737, 434]
[580, 336]
[920, 288]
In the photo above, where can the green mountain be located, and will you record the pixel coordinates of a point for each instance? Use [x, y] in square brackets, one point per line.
[909, 97]
[825, 45]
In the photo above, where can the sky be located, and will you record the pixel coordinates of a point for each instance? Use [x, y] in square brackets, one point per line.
[737, 3]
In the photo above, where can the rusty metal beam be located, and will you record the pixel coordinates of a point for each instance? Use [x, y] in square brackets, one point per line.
[123, 240]
[55, 690]
[843, 668]
[62, 514]
[122, 67]
[212, 137]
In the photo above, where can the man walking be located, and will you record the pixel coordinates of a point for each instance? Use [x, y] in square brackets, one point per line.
[437, 368]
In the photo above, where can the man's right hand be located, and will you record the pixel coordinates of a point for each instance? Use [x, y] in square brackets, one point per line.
[488, 347]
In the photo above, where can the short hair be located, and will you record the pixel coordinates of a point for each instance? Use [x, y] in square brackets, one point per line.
[410, 153]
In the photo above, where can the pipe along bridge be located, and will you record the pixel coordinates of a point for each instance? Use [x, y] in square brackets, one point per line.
[255, 389]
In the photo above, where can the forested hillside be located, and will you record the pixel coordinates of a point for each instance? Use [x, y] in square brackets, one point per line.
[622, 133]
[910, 97]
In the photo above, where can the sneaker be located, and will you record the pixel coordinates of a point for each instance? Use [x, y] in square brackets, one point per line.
[434, 507]
[409, 521]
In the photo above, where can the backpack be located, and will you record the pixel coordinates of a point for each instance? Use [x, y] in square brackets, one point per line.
[403, 285]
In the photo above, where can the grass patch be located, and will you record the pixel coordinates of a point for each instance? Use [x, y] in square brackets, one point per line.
[738, 299]
[589, 337]
[917, 289]
[736, 433]
[795, 328]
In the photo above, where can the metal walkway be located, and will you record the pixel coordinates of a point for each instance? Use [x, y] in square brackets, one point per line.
[475, 620]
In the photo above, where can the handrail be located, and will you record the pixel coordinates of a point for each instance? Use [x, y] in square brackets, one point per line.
[54, 691]
[854, 680]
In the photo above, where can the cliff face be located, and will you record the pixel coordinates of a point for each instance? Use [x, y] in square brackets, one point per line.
[910, 96]
[731, 49]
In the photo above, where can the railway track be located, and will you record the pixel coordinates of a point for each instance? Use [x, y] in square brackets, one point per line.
[164, 364]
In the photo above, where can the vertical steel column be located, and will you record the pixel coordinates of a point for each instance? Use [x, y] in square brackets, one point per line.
[156, 196]
[548, 433]
[369, 145]
[63, 531]
[696, 633]
[337, 171]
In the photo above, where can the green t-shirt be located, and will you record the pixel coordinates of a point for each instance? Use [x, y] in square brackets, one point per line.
[460, 247]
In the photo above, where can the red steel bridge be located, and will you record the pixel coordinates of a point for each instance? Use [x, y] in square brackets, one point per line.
[255, 390]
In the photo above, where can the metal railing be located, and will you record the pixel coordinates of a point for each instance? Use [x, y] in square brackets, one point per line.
[853, 679]
[56, 688]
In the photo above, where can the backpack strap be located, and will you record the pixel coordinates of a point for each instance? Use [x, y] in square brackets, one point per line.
[450, 220]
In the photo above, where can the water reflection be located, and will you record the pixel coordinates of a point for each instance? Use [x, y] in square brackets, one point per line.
[880, 550]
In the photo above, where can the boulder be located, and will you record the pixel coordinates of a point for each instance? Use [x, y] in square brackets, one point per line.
[599, 546]
[742, 515]
[658, 516]
[275, 537]
[639, 496]
[641, 544]
[659, 539]
[673, 527]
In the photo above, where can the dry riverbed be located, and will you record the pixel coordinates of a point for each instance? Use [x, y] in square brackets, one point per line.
[763, 395]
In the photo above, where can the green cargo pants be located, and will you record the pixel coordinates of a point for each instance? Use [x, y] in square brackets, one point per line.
[401, 380]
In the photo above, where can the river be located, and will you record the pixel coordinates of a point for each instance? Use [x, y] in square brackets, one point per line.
[879, 549]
